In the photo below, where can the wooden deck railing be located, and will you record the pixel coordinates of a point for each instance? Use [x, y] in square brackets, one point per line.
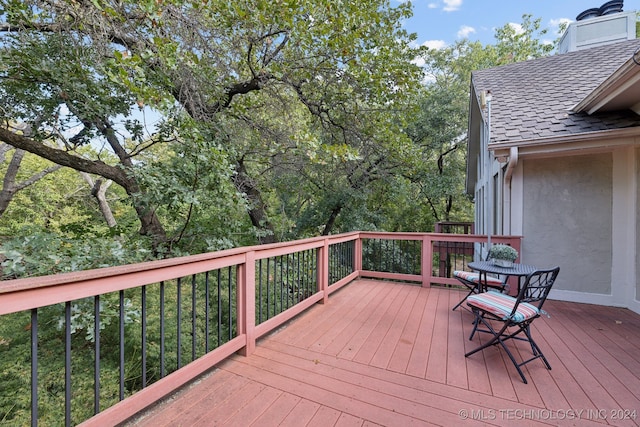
[161, 324]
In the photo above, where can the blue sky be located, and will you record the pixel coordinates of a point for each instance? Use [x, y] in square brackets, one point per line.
[441, 22]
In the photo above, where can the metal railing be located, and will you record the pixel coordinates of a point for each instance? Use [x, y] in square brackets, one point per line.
[153, 327]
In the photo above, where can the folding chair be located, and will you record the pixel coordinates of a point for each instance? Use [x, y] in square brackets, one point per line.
[472, 282]
[504, 311]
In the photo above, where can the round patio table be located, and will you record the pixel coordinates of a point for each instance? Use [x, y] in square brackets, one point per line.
[516, 270]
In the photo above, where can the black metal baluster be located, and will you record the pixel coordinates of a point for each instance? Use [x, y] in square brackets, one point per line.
[281, 285]
[96, 366]
[67, 364]
[295, 277]
[193, 317]
[144, 335]
[219, 308]
[331, 267]
[395, 262]
[333, 263]
[121, 329]
[268, 290]
[352, 254]
[298, 287]
[304, 282]
[162, 371]
[336, 263]
[287, 282]
[275, 286]
[314, 271]
[343, 261]
[396, 254]
[311, 278]
[34, 367]
[230, 304]
[207, 301]
[179, 321]
[259, 291]
[410, 257]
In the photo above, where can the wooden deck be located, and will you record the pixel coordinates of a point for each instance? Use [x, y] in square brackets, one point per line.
[392, 354]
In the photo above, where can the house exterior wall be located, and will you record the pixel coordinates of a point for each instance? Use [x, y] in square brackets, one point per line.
[637, 288]
[567, 219]
[624, 234]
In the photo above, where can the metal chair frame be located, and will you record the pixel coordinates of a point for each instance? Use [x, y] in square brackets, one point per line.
[535, 292]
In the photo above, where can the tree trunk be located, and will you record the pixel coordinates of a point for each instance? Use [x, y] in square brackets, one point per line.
[332, 219]
[99, 191]
[257, 207]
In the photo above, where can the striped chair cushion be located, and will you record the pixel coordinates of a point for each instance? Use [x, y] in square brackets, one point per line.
[474, 277]
[501, 306]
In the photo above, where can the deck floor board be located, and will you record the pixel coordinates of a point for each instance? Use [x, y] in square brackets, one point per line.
[391, 354]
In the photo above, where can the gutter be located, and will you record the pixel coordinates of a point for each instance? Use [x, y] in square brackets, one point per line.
[513, 162]
[570, 142]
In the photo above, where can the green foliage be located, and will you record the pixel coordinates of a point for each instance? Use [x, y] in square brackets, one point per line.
[38, 253]
[504, 252]
[83, 315]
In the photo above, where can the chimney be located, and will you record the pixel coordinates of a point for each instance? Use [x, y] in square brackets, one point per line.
[599, 26]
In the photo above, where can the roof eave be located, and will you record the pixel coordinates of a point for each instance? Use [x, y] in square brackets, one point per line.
[615, 86]
[586, 141]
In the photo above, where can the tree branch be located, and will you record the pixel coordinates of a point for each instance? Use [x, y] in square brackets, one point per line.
[64, 158]
[34, 178]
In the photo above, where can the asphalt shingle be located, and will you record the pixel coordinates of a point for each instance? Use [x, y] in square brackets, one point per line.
[535, 97]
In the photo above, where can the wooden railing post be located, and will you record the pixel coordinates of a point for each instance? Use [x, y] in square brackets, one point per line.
[247, 302]
[357, 262]
[323, 271]
[426, 260]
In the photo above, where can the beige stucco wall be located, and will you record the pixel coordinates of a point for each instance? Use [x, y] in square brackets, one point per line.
[567, 211]
[637, 296]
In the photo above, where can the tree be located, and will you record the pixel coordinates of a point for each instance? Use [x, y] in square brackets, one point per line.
[341, 61]
[440, 130]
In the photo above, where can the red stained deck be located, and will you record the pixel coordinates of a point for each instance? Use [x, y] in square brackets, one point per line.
[391, 354]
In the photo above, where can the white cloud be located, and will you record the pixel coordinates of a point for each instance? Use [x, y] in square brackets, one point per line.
[418, 61]
[435, 44]
[554, 24]
[516, 27]
[432, 5]
[465, 31]
[452, 5]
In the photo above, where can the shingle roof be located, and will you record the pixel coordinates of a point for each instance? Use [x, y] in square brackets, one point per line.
[532, 99]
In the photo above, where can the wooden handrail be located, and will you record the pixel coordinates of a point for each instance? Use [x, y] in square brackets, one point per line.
[36, 292]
